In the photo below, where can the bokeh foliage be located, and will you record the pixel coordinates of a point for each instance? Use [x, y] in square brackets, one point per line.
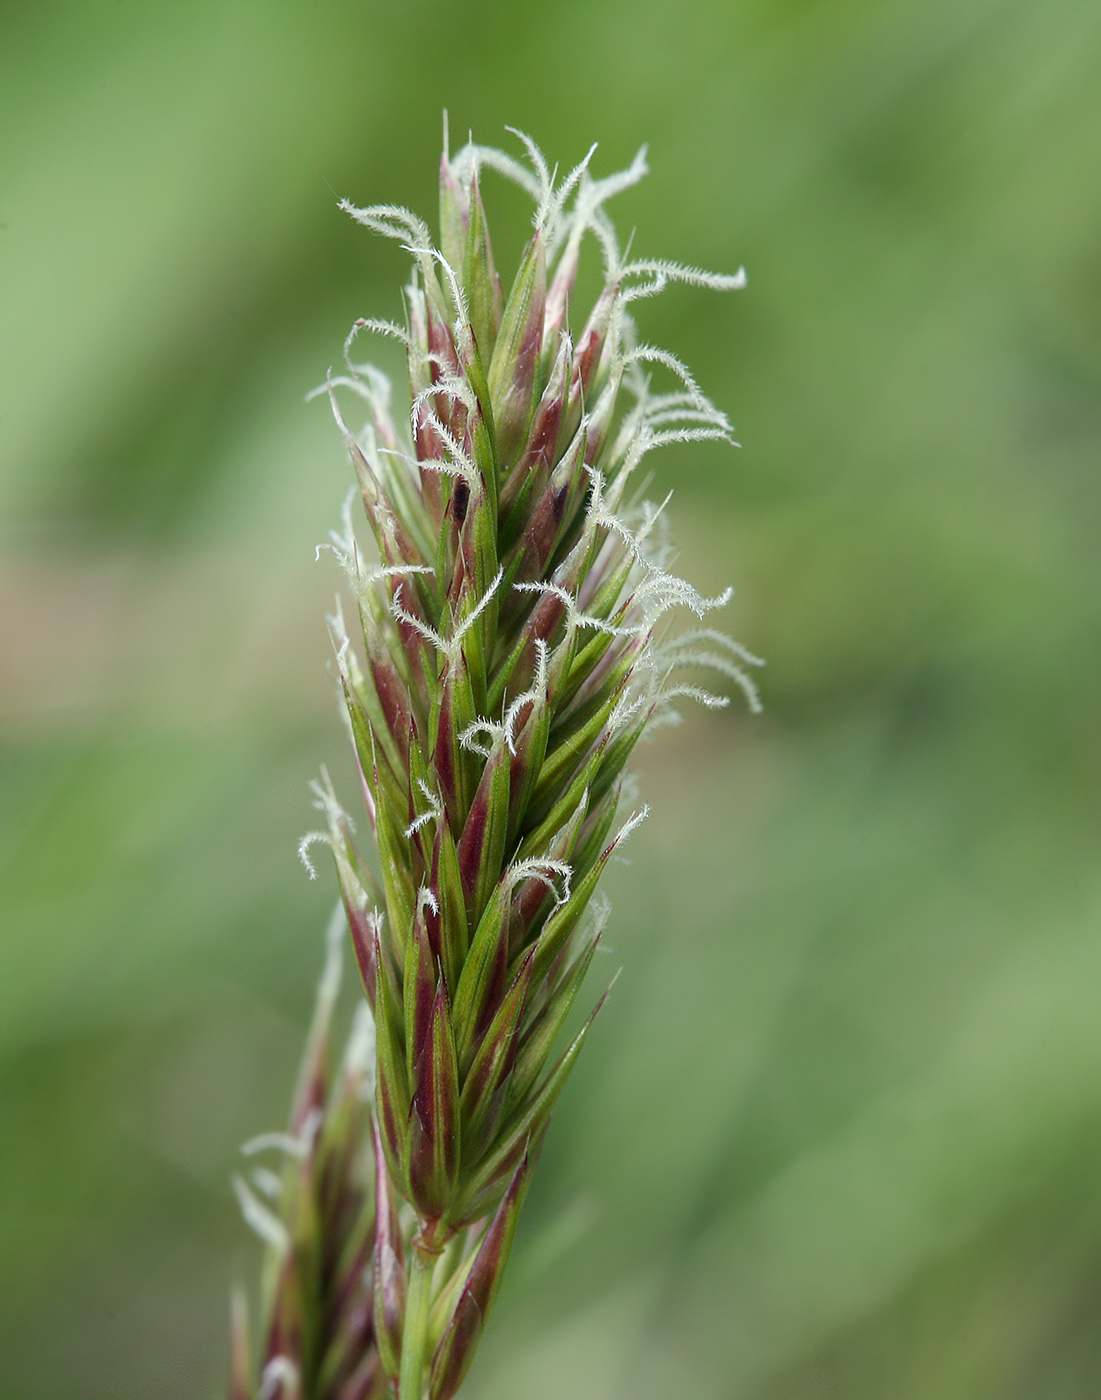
[838, 1130]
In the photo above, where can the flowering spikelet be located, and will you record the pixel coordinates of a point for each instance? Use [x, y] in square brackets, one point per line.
[515, 607]
[317, 1217]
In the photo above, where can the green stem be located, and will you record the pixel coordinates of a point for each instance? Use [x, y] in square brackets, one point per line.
[414, 1333]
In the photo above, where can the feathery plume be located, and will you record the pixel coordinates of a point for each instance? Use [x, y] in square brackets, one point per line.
[519, 638]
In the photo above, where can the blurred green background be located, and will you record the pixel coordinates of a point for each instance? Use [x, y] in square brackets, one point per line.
[838, 1132]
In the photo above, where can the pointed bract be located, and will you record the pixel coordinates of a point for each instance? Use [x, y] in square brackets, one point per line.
[433, 1138]
[516, 356]
[467, 1321]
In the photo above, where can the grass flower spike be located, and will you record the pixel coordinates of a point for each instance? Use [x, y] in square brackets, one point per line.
[519, 635]
[317, 1216]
